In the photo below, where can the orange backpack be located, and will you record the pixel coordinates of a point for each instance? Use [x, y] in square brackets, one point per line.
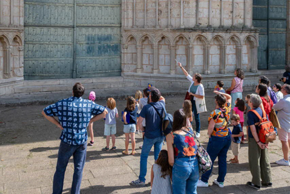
[266, 133]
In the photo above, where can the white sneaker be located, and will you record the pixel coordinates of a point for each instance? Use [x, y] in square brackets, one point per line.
[197, 135]
[200, 183]
[283, 162]
[220, 184]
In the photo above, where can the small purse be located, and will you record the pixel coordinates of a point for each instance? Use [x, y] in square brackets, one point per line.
[187, 96]
[204, 161]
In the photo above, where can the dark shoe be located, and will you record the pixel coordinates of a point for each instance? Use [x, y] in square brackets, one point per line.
[91, 143]
[114, 148]
[250, 184]
[267, 184]
[105, 149]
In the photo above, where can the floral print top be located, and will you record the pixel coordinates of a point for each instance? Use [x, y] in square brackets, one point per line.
[184, 145]
[219, 116]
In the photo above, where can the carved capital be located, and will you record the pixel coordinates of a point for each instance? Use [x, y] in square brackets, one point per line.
[20, 48]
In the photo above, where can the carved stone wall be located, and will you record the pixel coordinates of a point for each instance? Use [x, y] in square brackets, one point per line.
[11, 40]
[206, 36]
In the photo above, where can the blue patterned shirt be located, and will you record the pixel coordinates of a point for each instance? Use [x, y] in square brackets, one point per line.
[74, 115]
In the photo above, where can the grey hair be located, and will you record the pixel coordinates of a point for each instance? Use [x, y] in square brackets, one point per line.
[255, 100]
[287, 88]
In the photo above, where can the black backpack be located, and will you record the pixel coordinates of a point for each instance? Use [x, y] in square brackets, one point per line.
[166, 120]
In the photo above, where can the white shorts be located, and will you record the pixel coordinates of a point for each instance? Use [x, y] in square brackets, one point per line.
[110, 130]
[283, 135]
[131, 128]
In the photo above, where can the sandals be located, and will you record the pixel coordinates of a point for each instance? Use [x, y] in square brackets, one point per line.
[113, 148]
[133, 153]
[125, 152]
[234, 161]
[105, 149]
[91, 143]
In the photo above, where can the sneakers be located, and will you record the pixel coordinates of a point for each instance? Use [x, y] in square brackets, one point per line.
[283, 162]
[137, 183]
[200, 183]
[197, 135]
[250, 184]
[220, 184]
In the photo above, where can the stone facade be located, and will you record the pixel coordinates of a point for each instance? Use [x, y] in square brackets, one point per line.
[206, 36]
[11, 40]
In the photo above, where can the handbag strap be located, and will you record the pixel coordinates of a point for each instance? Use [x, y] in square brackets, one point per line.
[193, 134]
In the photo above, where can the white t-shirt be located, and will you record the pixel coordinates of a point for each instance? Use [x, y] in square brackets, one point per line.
[111, 116]
[142, 103]
[279, 95]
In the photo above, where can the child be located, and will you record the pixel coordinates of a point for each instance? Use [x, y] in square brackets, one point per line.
[110, 123]
[138, 96]
[187, 108]
[130, 119]
[277, 89]
[92, 97]
[161, 173]
[237, 133]
[239, 110]
[142, 103]
[219, 86]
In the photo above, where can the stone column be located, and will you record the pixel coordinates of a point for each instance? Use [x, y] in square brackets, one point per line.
[239, 56]
[206, 59]
[197, 14]
[245, 12]
[134, 14]
[169, 14]
[139, 58]
[7, 62]
[155, 58]
[233, 13]
[190, 63]
[157, 22]
[209, 13]
[221, 14]
[172, 59]
[254, 59]
[125, 13]
[223, 49]
[181, 14]
[11, 12]
[1, 13]
[145, 14]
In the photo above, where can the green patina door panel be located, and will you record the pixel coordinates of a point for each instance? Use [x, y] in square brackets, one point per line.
[72, 38]
[269, 16]
[98, 38]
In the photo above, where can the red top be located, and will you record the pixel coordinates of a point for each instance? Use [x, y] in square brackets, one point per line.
[267, 105]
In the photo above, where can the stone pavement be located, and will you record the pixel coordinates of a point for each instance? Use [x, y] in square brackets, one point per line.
[29, 146]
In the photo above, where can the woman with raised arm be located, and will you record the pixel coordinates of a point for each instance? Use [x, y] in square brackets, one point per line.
[196, 90]
[219, 138]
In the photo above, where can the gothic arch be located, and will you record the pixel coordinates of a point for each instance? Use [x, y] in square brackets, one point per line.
[18, 40]
[142, 38]
[201, 54]
[5, 59]
[162, 36]
[181, 44]
[249, 54]
[130, 55]
[178, 37]
[236, 39]
[217, 55]
[218, 38]
[234, 54]
[252, 40]
[164, 52]
[202, 39]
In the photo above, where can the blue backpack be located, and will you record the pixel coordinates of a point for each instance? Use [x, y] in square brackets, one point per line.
[166, 120]
[273, 96]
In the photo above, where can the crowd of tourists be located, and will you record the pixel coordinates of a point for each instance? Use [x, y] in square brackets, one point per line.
[177, 169]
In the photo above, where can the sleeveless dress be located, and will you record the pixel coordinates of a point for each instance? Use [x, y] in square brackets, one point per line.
[160, 185]
[237, 92]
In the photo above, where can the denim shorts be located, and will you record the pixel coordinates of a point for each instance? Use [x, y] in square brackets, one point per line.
[131, 128]
[110, 130]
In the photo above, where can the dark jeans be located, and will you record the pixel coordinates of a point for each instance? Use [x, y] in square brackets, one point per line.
[196, 116]
[218, 147]
[79, 156]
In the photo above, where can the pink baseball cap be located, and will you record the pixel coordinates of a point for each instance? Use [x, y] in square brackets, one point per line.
[92, 96]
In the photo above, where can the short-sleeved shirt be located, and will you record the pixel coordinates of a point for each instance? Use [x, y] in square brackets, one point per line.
[131, 116]
[267, 105]
[287, 76]
[153, 120]
[184, 145]
[240, 113]
[111, 116]
[252, 119]
[74, 115]
[193, 88]
[221, 118]
[236, 131]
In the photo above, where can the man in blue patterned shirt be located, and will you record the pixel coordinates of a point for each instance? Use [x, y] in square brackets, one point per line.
[74, 115]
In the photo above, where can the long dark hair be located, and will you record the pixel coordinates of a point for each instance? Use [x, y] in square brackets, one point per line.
[263, 90]
[130, 103]
[162, 161]
[240, 104]
[187, 108]
[179, 120]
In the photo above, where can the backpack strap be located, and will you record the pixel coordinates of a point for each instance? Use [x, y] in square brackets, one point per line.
[259, 116]
[159, 116]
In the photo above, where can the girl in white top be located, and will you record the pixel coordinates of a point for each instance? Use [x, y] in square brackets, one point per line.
[277, 89]
[161, 173]
[138, 96]
[187, 108]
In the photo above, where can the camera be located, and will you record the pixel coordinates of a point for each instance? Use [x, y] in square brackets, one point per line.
[281, 79]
